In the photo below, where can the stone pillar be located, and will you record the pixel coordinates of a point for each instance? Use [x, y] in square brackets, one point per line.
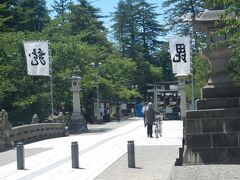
[77, 123]
[181, 88]
[5, 131]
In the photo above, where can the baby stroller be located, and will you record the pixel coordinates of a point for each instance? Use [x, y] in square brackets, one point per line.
[158, 125]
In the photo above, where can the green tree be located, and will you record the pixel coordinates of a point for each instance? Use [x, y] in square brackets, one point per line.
[150, 30]
[75, 44]
[32, 15]
[61, 7]
[136, 32]
[119, 27]
[136, 29]
[5, 15]
[164, 61]
[125, 28]
[21, 95]
[202, 73]
[23, 15]
[180, 13]
[84, 18]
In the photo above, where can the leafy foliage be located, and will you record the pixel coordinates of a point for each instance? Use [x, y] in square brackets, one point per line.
[24, 15]
[136, 29]
[202, 73]
[78, 38]
[180, 13]
[75, 42]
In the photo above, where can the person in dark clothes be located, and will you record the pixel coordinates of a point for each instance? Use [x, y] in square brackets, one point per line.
[108, 114]
[143, 112]
[149, 118]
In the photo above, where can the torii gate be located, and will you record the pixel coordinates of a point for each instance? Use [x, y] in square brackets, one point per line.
[162, 89]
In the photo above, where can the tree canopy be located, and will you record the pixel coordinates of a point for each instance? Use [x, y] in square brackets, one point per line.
[78, 38]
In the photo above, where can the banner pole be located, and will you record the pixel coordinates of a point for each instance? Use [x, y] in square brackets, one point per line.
[51, 81]
[51, 84]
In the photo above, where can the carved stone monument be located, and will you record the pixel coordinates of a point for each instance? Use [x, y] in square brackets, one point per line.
[35, 119]
[60, 118]
[77, 123]
[5, 131]
[212, 132]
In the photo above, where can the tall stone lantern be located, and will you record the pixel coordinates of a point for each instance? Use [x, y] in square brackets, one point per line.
[220, 82]
[212, 132]
[77, 123]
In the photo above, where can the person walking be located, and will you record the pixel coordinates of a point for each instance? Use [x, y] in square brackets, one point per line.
[149, 118]
[143, 112]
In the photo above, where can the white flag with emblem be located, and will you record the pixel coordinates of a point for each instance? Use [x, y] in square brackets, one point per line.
[180, 55]
[37, 58]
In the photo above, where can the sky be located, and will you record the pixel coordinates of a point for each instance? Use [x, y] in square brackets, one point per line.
[108, 6]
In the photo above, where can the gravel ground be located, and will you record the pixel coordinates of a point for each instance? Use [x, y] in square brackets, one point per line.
[206, 172]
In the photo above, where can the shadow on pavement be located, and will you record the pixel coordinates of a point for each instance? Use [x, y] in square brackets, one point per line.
[99, 130]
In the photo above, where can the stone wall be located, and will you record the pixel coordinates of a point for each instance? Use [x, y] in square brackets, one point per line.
[35, 132]
[212, 136]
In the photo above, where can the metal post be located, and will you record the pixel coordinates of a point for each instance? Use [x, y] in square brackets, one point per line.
[192, 78]
[155, 97]
[20, 155]
[131, 154]
[75, 159]
[51, 94]
[193, 97]
[98, 99]
[51, 81]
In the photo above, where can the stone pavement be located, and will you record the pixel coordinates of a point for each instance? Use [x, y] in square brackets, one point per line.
[152, 163]
[98, 149]
[156, 162]
[102, 156]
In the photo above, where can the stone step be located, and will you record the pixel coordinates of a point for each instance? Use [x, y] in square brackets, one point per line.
[213, 113]
[201, 155]
[213, 125]
[217, 92]
[216, 103]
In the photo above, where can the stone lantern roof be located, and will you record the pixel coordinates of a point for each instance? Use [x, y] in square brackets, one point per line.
[210, 15]
[205, 22]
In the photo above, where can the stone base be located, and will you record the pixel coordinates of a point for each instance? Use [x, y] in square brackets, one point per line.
[212, 136]
[221, 155]
[220, 92]
[77, 124]
[5, 139]
[217, 103]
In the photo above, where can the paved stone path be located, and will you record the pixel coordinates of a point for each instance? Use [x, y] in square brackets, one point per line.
[103, 146]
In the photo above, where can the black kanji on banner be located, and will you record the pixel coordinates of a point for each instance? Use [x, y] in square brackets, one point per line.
[181, 53]
[37, 56]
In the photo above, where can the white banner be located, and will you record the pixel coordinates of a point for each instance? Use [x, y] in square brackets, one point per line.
[37, 58]
[180, 55]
